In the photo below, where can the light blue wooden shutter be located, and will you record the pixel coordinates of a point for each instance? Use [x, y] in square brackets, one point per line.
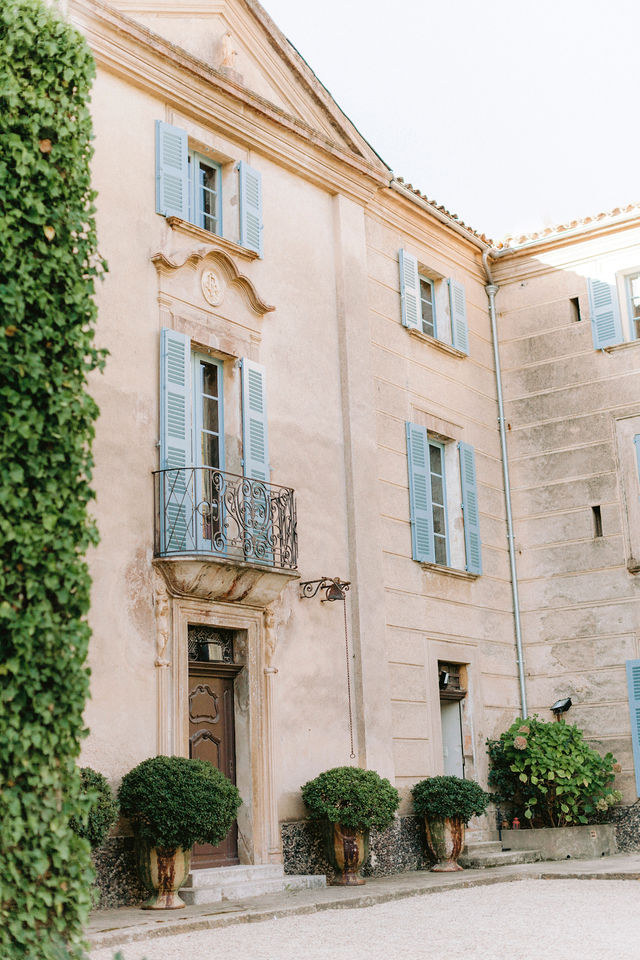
[636, 441]
[254, 421]
[410, 290]
[471, 513]
[172, 171]
[255, 451]
[633, 685]
[422, 543]
[175, 441]
[605, 314]
[459, 326]
[250, 191]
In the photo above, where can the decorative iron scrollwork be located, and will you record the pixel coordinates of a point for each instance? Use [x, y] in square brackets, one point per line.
[207, 511]
[334, 588]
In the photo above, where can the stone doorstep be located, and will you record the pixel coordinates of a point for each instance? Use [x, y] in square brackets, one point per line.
[242, 881]
[112, 928]
[501, 858]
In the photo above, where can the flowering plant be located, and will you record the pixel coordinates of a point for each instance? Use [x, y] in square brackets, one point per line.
[549, 775]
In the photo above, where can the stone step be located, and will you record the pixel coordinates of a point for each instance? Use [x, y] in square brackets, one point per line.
[212, 885]
[214, 876]
[481, 847]
[301, 881]
[503, 859]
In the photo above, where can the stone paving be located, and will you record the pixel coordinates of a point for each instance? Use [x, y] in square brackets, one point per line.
[113, 928]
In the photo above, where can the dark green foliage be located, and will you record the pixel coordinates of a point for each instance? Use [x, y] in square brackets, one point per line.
[548, 775]
[449, 797]
[175, 802]
[103, 809]
[47, 264]
[353, 797]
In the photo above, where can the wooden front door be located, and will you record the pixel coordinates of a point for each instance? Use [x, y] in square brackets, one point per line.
[211, 737]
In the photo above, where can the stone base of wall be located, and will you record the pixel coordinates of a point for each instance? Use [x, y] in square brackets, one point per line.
[627, 821]
[117, 883]
[401, 847]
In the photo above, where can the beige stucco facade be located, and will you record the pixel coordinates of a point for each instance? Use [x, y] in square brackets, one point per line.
[321, 311]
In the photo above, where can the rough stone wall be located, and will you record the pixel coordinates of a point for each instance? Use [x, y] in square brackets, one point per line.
[399, 848]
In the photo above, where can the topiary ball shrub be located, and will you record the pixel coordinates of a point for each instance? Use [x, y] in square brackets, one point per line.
[548, 775]
[352, 797]
[449, 798]
[175, 802]
[103, 809]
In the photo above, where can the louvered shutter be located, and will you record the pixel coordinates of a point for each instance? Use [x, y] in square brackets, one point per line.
[606, 326]
[175, 442]
[172, 171]
[257, 496]
[410, 290]
[471, 513]
[458, 307]
[250, 190]
[633, 685]
[636, 441]
[423, 547]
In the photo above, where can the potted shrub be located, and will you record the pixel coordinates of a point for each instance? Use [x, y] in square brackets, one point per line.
[102, 811]
[549, 777]
[350, 801]
[172, 803]
[447, 804]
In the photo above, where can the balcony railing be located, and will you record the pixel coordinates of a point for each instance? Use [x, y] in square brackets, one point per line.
[207, 511]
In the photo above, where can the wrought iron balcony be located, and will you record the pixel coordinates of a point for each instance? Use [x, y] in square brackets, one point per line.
[205, 511]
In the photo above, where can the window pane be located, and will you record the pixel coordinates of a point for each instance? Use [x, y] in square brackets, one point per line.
[210, 450]
[441, 550]
[438, 520]
[208, 177]
[210, 414]
[426, 307]
[437, 492]
[435, 459]
[209, 379]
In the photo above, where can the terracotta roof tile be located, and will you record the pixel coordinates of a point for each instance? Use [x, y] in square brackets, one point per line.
[557, 230]
[438, 206]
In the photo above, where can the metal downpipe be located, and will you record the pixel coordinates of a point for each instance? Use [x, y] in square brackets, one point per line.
[491, 291]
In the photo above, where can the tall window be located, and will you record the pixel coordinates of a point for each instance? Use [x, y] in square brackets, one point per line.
[438, 501]
[204, 193]
[428, 306]
[633, 299]
[207, 413]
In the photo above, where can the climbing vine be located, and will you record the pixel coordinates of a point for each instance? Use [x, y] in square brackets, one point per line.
[48, 262]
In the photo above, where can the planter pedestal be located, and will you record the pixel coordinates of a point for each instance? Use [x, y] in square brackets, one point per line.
[163, 872]
[347, 850]
[445, 839]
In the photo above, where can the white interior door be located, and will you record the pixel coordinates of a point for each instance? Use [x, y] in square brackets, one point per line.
[452, 738]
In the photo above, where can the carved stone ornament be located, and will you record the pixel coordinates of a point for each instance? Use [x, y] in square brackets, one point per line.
[213, 287]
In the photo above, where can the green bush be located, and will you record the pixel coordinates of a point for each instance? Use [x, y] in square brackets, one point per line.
[47, 318]
[103, 809]
[175, 802]
[353, 797]
[449, 797]
[548, 774]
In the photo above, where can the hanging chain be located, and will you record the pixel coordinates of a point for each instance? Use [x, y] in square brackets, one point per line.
[346, 645]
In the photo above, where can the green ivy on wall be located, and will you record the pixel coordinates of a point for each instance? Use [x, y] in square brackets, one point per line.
[48, 261]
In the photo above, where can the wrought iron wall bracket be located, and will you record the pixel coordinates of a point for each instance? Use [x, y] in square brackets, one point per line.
[334, 588]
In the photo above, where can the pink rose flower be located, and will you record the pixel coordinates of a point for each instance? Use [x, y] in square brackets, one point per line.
[520, 743]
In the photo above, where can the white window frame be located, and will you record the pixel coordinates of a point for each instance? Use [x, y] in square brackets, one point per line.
[440, 446]
[197, 214]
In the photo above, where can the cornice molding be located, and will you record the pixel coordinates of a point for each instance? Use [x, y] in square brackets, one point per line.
[212, 240]
[170, 262]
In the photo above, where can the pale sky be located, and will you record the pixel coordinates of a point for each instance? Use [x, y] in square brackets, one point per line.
[512, 114]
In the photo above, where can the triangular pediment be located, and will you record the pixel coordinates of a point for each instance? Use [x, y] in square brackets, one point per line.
[239, 39]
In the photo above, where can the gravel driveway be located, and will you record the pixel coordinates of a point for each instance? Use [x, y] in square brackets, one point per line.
[524, 920]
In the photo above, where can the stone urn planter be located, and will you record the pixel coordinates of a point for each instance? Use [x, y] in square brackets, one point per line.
[447, 804]
[349, 801]
[172, 803]
[164, 872]
[445, 840]
[347, 849]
